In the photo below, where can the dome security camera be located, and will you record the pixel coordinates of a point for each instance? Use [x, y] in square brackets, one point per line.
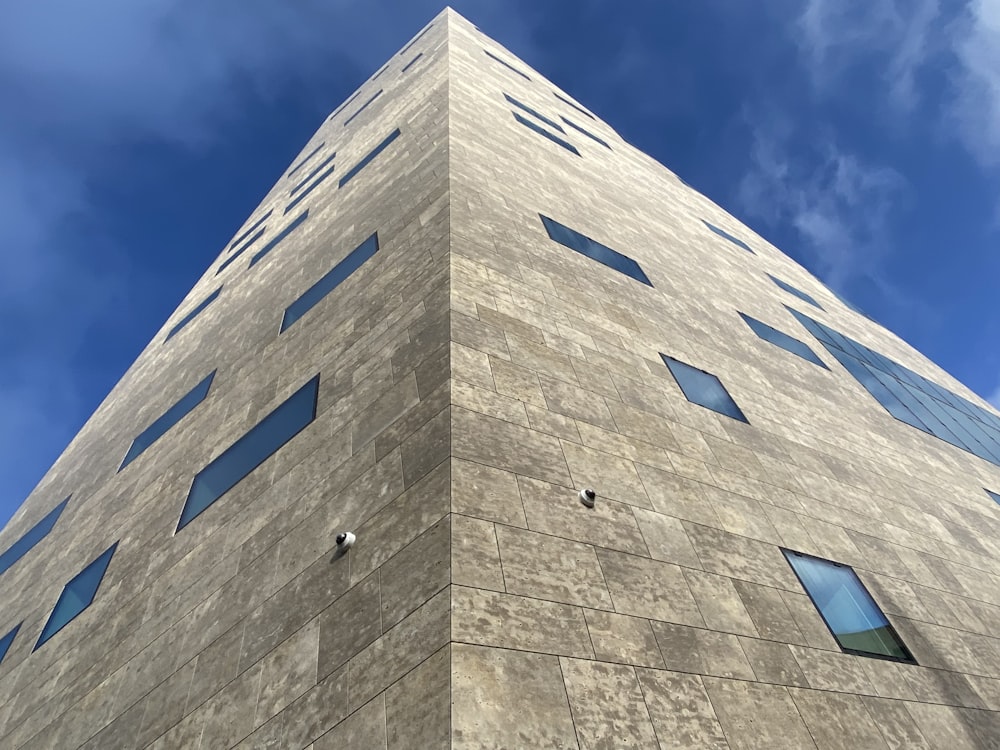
[588, 497]
[345, 540]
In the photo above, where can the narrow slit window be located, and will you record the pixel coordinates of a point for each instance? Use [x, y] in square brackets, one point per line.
[193, 314]
[585, 132]
[30, 538]
[797, 292]
[77, 595]
[542, 131]
[369, 157]
[305, 159]
[412, 62]
[703, 388]
[847, 608]
[250, 451]
[726, 235]
[311, 297]
[346, 104]
[506, 65]
[363, 107]
[235, 256]
[7, 640]
[534, 113]
[994, 495]
[312, 186]
[312, 174]
[250, 230]
[282, 235]
[574, 105]
[415, 39]
[594, 250]
[168, 419]
[782, 339]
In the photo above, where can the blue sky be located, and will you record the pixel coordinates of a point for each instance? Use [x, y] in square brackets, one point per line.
[861, 136]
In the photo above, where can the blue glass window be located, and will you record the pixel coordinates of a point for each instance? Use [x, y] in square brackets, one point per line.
[792, 290]
[31, 537]
[168, 419]
[506, 64]
[312, 186]
[594, 250]
[726, 235]
[77, 595]
[412, 62]
[369, 157]
[847, 608]
[312, 174]
[779, 338]
[193, 314]
[250, 451]
[534, 113]
[363, 107]
[235, 256]
[994, 495]
[542, 131]
[329, 282]
[346, 104]
[587, 133]
[305, 159]
[703, 388]
[574, 105]
[252, 227]
[296, 223]
[7, 640]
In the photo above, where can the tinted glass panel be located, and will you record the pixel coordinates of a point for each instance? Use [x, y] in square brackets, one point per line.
[847, 608]
[534, 113]
[779, 338]
[193, 314]
[574, 105]
[312, 186]
[542, 131]
[346, 104]
[228, 261]
[168, 419]
[7, 640]
[247, 233]
[703, 388]
[585, 132]
[792, 290]
[305, 160]
[368, 158]
[363, 107]
[411, 63]
[594, 250]
[296, 223]
[726, 235]
[251, 450]
[506, 64]
[994, 495]
[31, 537]
[77, 595]
[331, 281]
[326, 162]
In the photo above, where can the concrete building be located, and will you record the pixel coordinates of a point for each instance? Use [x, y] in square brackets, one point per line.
[466, 301]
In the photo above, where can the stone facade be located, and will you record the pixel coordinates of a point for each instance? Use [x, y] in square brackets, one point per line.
[474, 375]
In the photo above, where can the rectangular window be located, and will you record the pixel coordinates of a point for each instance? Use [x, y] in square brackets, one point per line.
[312, 186]
[30, 538]
[779, 338]
[847, 608]
[587, 133]
[369, 157]
[248, 232]
[305, 159]
[77, 595]
[506, 64]
[703, 388]
[542, 131]
[329, 282]
[726, 235]
[412, 62]
[193, 314]
[168, 419]
[574, 105]
[363, 107]
[346, 104]
[250, 451]
[235, 256]
[534, 113]
[7, 640]
[312, 174]
[594, 250]
[283, 234]
[792, 290]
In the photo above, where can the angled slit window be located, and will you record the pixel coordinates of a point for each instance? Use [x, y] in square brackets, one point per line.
[305, 159]
[312, 186]
[283, 234]
[574, 105]
[506, 64]
[251, 450]
[416, 39]
[531, 125]
[363, 107]
[312, 174]
[703, 388]
[797, 292]
[77, 595]
[168, 419]
[411, 63]
[994, 495]
[346, 104]
[847, 608]
[235, 256]
[311, 297]
[587, 133]
[534, 113]
[726, 235]
[250, 230]
[369, 157]
[7, 640]
[30, 538]
[193, 314]
[594, 250]
[782, 339]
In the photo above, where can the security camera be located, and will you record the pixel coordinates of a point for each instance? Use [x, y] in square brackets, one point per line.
[345, 540]
[588, 497]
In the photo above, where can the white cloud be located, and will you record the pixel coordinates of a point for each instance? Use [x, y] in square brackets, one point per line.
[975, 110]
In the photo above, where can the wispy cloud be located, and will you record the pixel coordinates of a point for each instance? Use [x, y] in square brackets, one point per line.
[975, 39]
